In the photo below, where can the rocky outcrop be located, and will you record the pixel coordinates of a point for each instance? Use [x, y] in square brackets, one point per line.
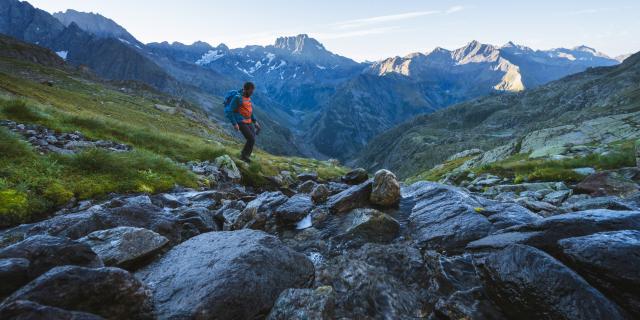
[304, 304]
[108, 292]
[23, 309]
[607, 183]
[225, 275]
[386, 189]
[371, 225]
[14, 273]
[294, 209]
[355, 197]
[527, 283]
[124, 246]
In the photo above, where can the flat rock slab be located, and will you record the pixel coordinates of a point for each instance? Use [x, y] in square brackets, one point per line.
[124, 246]
[225, 275]
[529, 284]
[108, 292]
[354, 197]
[610, 261]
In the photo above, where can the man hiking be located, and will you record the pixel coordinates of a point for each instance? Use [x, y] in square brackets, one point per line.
[239, 110]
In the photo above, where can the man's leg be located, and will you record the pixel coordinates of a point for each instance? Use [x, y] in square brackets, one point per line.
[249, 134]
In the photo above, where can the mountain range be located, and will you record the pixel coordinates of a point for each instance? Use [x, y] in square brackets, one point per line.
[316, 103]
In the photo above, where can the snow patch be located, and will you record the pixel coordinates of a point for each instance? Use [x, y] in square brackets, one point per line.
[270, 56]
[566, 56]
[124, 41]
[210, 56]
[63, 54]
[320, 67]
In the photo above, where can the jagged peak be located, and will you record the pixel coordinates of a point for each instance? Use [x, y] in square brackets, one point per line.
[299, 43]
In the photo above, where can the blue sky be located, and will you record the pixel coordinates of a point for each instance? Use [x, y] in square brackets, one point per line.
[375, 29]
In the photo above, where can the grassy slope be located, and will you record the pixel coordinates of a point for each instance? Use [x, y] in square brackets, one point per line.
[32, 185]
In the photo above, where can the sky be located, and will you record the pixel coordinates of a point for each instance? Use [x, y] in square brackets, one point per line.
[376, 29]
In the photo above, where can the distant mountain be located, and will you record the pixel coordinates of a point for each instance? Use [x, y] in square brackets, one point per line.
[623, 57]
[432, 81]
[488, 122]
[96, 24]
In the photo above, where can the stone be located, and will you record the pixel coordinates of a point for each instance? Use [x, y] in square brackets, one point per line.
[45, 252]
[258, 211]
[320, 193]
[518, 188]
[356, 176]
[28, 310]
[14, 273]
[537, 206]
[225, 275]
[294, 209]
[446, 218]
[108, 292]
[355, 197]
[585, 171]
[307, 186]
[336, 187]
[304, 304]
[609, 261]
[124, 246]
[528, 283]
[607, 183]
[385, 189]
[371, 225]
[557, 197]
[229, 212]
[545, 233]
[609, 203]
[200, 217]
[308, 176]
[228, 167]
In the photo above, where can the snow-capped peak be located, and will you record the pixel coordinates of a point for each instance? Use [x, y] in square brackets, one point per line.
[210, 56]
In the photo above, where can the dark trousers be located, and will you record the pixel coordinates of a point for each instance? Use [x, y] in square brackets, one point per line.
[249, 133]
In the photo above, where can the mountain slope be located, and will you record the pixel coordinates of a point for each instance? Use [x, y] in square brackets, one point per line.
[95, 24]
[485, 123]
[402, 87]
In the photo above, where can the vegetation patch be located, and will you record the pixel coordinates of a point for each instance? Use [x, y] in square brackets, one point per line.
[439, 172]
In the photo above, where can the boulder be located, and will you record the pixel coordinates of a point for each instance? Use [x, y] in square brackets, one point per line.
[607, 183]
[356, 176]
[259, 210]
[308, 176]
[608, 260]
[320, 193]
[307, 186]
[609, 203]
[199, 217]
[304, 304]
[225, 275]
[445, 218]
[228, 167]
[294, 209]
[28, 310]
[371, 225]
[229, 212]
[557, 197]
[386, 189]
[108, 292]
[537, 206]
[355, 197]
[527, 283]
[46, 252]
[336, 187]
[124, 246]
[14, 273]
[545, 233]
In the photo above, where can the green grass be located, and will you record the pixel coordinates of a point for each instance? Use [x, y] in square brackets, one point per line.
[33, 185]
[437, 173]
[522, 169]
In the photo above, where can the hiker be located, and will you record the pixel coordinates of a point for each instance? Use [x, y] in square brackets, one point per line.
[239, 110]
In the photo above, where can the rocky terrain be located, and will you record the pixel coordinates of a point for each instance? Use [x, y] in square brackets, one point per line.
[366, 248]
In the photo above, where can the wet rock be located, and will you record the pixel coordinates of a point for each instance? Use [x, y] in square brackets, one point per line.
[610, 203]
[557, 197]
[108, 292]
[228, 167]
[225, 275]
[308, 176]
[537, 206]
[356, 176]
[355, 197]
[28, 310]
[320, 193]
[371, 225]
[14, 273]
[504, 214]
[124, 246]
[381, 281]
[167, 200]
[527, 283]
[45, 252]
[608, 260]
[446, 218]
[259, 210]
[336, 187]
[294, 209]
[229, 212]
[386, 189]
[199, 217]
[307, 186]
[608, 183]
[304, 304]
[545, 233]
